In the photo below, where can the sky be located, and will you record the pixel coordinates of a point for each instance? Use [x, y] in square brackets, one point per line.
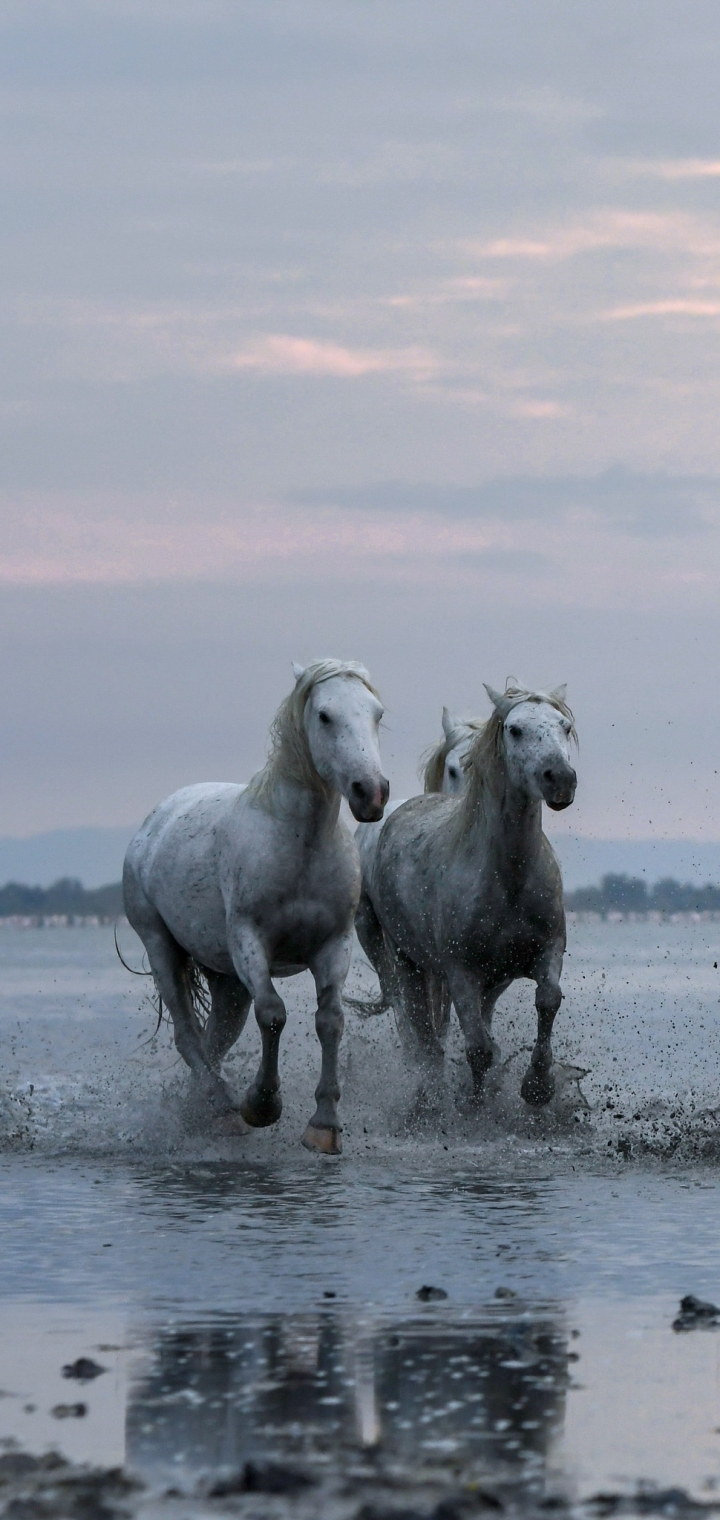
[380, 328]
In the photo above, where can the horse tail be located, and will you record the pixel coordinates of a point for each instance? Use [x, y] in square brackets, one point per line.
[368, 1008]
[133, 972]
[199, 991]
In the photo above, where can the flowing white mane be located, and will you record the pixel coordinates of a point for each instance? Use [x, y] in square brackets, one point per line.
[289, 758]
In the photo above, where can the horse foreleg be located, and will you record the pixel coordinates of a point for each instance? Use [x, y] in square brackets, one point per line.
[262, 1103]
[474, 1005]
[538, 1084]
[329, 970]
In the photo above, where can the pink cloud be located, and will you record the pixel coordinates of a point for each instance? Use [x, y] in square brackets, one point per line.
[609, 228]
[682, 307]
[681, 168]
[279, 354]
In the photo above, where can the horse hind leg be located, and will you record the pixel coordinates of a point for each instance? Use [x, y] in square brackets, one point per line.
[170, 966]
[228, 1015]
[414, 1012]
[475, 1005]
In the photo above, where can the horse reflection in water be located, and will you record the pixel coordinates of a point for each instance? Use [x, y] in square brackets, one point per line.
[429, 1390]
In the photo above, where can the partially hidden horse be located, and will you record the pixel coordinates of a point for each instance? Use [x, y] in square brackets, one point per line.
[244, 884]
[464, 894]
[443, 770]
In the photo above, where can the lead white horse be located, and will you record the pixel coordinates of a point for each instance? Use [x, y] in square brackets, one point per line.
[466, 891]
[249, 883]
[443, 771]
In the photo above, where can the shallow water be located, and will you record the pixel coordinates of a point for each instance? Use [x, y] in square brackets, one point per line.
[247, 1299]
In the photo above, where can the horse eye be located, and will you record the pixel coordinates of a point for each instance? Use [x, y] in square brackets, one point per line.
[452, 772]
[324, 717]
[515, 730]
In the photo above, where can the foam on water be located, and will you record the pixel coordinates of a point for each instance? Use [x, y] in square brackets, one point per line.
[637, 1049]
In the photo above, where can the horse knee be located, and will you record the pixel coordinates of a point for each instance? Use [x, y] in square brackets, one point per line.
[479, 1059]
[271, 1013]
[329, 1018]
[548, 1000]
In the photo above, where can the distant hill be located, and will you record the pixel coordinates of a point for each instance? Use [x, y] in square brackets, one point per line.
[92, 856]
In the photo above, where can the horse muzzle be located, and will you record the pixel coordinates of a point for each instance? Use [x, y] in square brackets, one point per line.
[367, 802]
[558, 787]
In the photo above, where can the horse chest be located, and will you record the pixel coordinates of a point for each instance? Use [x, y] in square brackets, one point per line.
[501, 940]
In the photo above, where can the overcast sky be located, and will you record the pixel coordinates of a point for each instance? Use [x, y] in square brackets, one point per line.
[383, 328]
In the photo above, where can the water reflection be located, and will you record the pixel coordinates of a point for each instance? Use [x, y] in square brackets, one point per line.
[426, 1389]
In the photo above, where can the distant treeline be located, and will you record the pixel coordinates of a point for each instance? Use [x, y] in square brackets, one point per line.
[616, 894]
[630, 894]
[64, 897]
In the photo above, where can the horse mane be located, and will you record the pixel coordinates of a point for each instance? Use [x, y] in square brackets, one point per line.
[432, 762]
[289, 757]
[483, 762]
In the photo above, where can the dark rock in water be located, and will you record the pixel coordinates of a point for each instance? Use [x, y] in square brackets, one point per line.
[695, 1311]
[652, 1501]
[380, 1512]
[505, 1293]
[455, 1508]
[69, 1411]
[83, 1370]
[17, 1464]
[261, 1478]
[50, 1488]
[429, 1295]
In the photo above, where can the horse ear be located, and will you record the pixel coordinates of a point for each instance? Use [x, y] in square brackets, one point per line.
[447, 723]
[559, 692]
[500, 702]
[297, 670]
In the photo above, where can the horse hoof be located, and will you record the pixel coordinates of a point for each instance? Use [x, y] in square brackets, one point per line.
[537, 1088]
[260, 1111]
[231, 1123]
[327, 1141]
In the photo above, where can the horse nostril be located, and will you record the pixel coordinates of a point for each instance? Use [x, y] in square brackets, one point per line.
[359, 791]
[548, 776]
[384, 790]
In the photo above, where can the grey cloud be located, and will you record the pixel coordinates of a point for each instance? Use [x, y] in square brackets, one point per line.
[640, 504]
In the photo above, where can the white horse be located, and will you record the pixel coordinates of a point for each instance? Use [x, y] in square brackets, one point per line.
[443, 771]
[243, 884]
[466, 891]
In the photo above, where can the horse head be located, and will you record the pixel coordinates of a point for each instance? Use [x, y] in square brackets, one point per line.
[537, 729]
[443, 767]
[341, 717]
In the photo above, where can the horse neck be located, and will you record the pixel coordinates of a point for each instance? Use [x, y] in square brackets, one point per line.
[313, 812]
[508, 827]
